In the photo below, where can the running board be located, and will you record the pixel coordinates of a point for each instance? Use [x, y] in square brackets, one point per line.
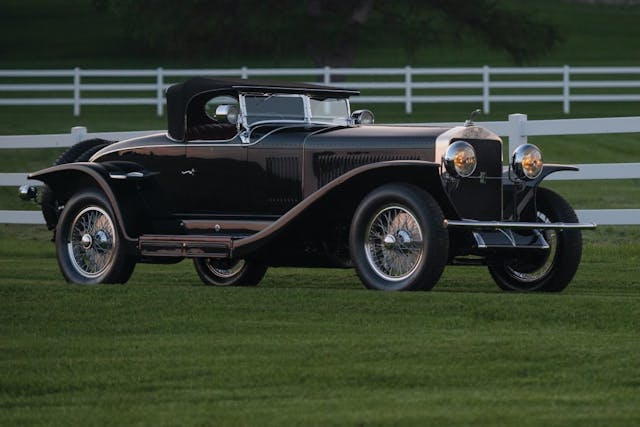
[189, 246]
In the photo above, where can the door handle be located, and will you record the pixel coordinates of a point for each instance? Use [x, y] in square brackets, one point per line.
[191, 172]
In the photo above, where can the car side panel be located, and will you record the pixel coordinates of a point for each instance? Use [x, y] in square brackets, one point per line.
[329, 155]
[274, 171]
[215, 176]
[164, 160]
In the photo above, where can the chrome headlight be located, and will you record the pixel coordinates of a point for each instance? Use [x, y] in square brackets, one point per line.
[363, 117]
[527, 161]
[460, 159]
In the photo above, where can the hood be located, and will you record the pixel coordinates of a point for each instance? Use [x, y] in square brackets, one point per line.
[377, 136]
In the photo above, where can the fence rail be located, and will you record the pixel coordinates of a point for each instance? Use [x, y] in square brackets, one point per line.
[517, 128]
[408, 85]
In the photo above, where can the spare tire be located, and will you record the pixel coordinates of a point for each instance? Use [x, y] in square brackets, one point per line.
[80, 152]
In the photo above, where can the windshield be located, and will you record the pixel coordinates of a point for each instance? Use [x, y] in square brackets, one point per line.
[297, 108]
[274, 107]
[334, 111]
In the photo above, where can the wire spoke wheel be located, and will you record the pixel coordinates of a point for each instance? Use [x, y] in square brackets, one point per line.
[527, 273]
[91, 242]
[393, 243]
[230, 272]
[397, 239]
[548, 271]
[225, 269]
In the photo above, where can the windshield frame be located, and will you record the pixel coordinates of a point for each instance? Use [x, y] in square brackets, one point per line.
[307, 115]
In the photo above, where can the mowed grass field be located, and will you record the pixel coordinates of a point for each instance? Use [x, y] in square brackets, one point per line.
[311, 347]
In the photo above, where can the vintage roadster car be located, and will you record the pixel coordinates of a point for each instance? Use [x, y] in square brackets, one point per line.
[252, 174]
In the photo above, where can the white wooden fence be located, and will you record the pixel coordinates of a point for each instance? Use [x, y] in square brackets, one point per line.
[477, 85]
[517, 128]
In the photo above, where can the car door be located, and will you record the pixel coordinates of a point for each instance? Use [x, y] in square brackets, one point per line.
[216, 176]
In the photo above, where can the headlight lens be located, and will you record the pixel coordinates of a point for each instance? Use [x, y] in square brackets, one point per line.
[527, 161]
[363, 117]
[460, 159]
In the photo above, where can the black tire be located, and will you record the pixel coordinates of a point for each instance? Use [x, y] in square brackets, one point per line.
[84, 157]
[89, 245]
[80, 152]
[553, 270]
[223, 272]
[397, 239]
[76, 150]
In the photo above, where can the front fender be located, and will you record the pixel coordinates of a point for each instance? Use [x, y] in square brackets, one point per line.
[346, 192]
[67, 179]
[548, 169]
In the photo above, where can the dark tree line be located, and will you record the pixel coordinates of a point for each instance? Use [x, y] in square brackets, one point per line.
[329, 31]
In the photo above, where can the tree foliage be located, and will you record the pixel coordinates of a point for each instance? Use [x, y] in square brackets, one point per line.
[329, 31]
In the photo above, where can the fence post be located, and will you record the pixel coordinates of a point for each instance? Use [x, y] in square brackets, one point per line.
[408, 106]
[566, 89]
[244, 73]
[76, 91]
[159, 91]
[517, 134]
[485, 89]
[327, 75]
[78, 133]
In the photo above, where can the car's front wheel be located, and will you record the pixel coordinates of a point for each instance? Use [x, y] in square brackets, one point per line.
[89, 246]
[232, 272]
[397, 239]
[553, 269]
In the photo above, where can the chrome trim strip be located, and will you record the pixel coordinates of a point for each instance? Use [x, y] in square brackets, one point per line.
[460, 132]
[442, 142]
[469, 223]
[480, 243]
[541, 237]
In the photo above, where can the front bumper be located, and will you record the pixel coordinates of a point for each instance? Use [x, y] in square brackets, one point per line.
[508, 225]
[500, 236]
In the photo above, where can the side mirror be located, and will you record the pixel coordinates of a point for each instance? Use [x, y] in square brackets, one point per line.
[362, 117]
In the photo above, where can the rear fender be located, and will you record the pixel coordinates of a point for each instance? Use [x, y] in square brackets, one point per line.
[115, 179]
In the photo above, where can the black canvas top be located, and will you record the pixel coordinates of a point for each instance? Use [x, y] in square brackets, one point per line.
[189, 97]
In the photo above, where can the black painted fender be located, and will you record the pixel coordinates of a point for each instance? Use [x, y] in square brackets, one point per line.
[353, 186]
[550, 168]
[113, 178]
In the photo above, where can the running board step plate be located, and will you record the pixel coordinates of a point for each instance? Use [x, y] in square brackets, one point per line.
[190, 246]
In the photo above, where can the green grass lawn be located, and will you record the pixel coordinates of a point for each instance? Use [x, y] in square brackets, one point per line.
[313, 347]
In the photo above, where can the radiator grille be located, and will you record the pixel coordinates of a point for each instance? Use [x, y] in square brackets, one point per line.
[480, 195]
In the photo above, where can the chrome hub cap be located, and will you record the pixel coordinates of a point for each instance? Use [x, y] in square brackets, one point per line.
[91, 242]
[393, 243]
[389, 241]
[86, 241]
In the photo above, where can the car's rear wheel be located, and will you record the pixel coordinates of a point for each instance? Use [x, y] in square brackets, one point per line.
[397, 239]
[552, 270]
[89, 245]
[232, 272]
